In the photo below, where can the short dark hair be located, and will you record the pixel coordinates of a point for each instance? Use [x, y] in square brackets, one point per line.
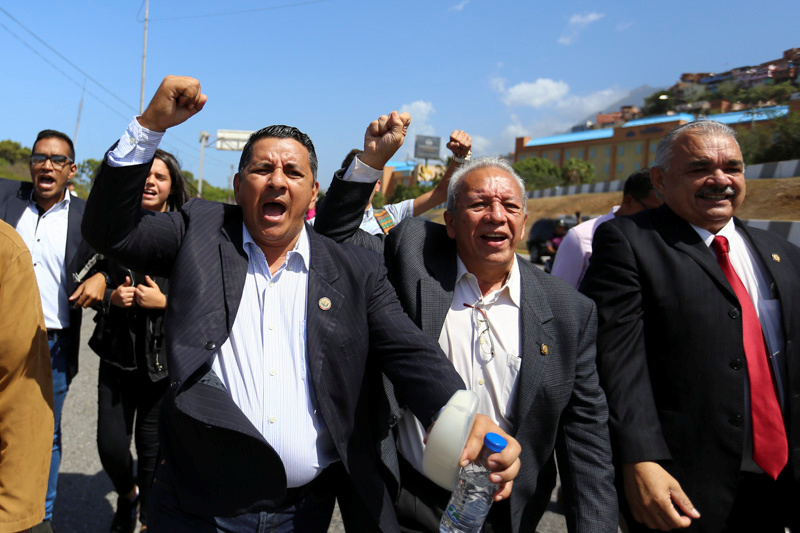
[638, 184]
[178, 195]
[279, 132]
[350, 156]
[50, 134]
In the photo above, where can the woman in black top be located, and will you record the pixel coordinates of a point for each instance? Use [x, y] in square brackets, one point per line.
[129, 338]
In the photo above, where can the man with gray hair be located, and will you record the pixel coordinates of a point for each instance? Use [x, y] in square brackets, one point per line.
[698, 350]
[522, 340]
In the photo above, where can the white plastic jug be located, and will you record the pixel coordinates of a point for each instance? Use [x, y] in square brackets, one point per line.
[447, 439]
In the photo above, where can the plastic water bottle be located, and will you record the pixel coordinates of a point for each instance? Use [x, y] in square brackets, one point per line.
[472, 496]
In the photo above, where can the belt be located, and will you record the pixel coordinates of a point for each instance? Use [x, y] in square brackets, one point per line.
[323, 483]
[55, 334]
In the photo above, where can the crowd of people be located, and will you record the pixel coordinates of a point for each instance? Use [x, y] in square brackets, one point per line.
[268, 366]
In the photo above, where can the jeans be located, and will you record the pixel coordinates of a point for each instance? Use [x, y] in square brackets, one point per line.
[309, 514]
[59, 359]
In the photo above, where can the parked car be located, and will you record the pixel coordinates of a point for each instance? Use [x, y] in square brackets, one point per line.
[541, 231]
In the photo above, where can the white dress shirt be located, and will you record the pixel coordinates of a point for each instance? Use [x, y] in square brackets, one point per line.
[492, 377]
[758, 282]
[46, 238]
[575, 249]
[264, 362]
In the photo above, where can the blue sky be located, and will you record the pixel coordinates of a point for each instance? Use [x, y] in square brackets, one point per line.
[497, 69]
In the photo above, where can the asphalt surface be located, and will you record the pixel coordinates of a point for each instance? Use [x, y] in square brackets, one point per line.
[86, 499]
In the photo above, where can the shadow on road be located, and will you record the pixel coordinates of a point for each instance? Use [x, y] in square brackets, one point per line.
[81, 504]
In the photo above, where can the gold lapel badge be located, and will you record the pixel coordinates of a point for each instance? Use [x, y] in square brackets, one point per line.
[544, 350]
[325, 303]
[776, 258]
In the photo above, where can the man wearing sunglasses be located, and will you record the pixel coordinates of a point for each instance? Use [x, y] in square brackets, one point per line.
[49, 221]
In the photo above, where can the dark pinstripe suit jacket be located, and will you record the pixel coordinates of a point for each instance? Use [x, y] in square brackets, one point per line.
[14, 199]
[670, 351]
[560, 408]
[218, 462]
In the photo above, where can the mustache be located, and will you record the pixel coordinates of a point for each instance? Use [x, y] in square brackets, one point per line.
[713, 191]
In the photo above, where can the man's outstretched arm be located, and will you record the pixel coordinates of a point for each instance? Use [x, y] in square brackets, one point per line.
[340, 215]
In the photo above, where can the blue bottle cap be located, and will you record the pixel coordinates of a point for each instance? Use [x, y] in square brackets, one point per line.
[494, 442]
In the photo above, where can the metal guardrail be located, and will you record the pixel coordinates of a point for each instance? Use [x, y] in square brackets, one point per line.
[782, 169]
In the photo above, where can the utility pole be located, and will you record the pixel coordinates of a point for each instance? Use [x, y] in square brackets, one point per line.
[203, 141]
[144, 53]
[230, 186]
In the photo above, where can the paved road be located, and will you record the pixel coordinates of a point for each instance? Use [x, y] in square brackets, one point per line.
[86, 499]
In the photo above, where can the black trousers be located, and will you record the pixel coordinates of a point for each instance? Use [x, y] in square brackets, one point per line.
[128, 402]
[421, 504]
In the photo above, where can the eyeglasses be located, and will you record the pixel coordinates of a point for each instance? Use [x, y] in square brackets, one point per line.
[481, 322]
[58, 161]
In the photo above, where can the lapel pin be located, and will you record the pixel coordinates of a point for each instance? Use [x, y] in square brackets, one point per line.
[544, 350]
[325, 303]
[776, 258]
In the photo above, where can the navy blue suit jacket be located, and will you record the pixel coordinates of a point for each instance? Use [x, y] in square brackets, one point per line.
[219, 463]
[14, 199]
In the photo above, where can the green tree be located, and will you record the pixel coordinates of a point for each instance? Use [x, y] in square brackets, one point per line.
[656, 105]
[13, 152]
[728, 90]
[210, 192]
[538, 173]
[404, 192]
[378, 200]
[778, 140]
[577, 171]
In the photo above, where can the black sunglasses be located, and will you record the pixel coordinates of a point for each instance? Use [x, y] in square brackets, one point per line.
[57, 160]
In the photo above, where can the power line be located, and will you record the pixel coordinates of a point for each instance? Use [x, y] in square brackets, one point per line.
[61, 71]
[73, 65]
[209, 15]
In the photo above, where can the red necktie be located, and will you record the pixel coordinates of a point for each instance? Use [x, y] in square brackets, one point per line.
[770, 447]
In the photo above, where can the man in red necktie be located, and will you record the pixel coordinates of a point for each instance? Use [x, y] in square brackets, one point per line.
[697, 348]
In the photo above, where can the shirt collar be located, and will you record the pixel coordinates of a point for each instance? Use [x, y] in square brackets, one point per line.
[63, 204]
[301, 250]
[511, 285]
[728, 231]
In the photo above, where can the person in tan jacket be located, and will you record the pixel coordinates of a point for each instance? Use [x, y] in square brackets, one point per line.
[26, 389]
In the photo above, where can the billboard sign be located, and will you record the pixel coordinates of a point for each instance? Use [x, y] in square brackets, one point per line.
[426, 147]
[233, 140]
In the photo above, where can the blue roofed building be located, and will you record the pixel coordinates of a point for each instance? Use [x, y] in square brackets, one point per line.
[619, 151]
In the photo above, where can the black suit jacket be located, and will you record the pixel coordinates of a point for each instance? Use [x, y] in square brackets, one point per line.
[560, 407]
[219, 463]
[14, 199]
[670, 351]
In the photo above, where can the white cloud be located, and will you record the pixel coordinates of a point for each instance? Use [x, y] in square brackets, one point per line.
[497, 84]
[622, 26]
[420, 112]
[481, 146]
[556, 108]
[545, 93]
[459, 6]
[536, 94]
[576, 24]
